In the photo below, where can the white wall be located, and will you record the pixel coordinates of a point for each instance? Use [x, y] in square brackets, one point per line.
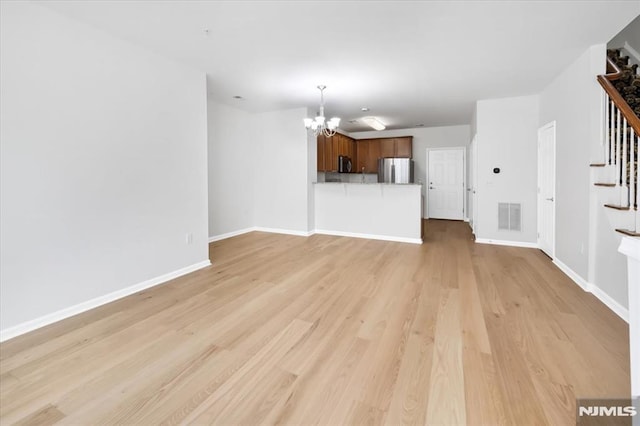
[312, 175]
[423, 138]
[629, 34]
[474, 121]
[103, 164]
[261, 170]
[507, 139]
[232, 169]
[585, 240]
[281, 194]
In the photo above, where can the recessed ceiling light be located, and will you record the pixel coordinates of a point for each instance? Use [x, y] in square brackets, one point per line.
[364, 109]
[238, 97]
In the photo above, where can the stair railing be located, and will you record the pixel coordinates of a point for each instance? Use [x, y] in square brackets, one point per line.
[621, 140]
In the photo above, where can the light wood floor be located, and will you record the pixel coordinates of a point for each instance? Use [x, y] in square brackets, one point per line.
[330, 330]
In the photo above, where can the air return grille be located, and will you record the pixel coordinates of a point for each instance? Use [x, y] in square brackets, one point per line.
[509, 216]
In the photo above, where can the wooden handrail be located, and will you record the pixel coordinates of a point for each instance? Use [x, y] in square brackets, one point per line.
[605, 81]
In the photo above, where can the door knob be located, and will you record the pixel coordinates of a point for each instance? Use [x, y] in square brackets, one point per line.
[550, 199]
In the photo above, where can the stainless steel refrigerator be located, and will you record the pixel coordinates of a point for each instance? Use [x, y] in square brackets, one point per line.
[395, 170]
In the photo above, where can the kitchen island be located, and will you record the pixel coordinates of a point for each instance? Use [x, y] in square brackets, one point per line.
[381, 211]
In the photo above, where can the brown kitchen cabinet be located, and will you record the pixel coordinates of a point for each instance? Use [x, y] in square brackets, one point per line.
[396, 147]
[362, 156]
[368, 151]
[321, 153]
[404, 147]
[336, 150]
[387, 147]
[350, 149]
[330, 148]
[346, 146]
[338, 144]
[374, 155]
[367, 154]
[325, 154]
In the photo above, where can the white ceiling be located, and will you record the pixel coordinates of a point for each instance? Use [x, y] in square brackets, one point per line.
[410, 62]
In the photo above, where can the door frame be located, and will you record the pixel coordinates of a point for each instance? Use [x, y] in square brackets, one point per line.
[550, 125]
[464, 176]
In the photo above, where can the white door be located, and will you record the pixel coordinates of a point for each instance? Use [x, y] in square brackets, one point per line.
[547, 188]
[445, 191]
[473, 155]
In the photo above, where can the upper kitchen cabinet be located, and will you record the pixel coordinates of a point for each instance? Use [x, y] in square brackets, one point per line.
[321, 152]
[374, 154]
[330, 148]
[344, 145]
[339, 144]
[362, 154]
[368, 151]
[349, 147]
[387, 147]
[336, 149]
[367, 154]
[396, 147]
[403, 147]
[325, 154]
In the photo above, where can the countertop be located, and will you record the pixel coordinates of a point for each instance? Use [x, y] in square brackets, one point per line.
[367, 183]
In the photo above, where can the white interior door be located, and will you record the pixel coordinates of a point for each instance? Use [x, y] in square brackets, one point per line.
[547, 188]
[473, 163]
[445, 191]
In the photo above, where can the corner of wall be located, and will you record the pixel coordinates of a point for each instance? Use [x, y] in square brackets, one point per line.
[312, 178]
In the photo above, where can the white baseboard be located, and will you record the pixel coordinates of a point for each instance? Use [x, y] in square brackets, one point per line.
[369, 236]
[259, 229]
[316, 231]
[617, 308]
[607, 300]
[466, 219]
[34, 324]
[283, 231]
[230, 234]
[582, 283]
[507, 243]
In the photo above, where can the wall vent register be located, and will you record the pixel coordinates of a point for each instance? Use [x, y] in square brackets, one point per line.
[509, 216]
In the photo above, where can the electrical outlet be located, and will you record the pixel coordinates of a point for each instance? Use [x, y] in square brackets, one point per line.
[189, 238]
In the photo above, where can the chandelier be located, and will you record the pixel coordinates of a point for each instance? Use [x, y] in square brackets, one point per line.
[319, 125]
